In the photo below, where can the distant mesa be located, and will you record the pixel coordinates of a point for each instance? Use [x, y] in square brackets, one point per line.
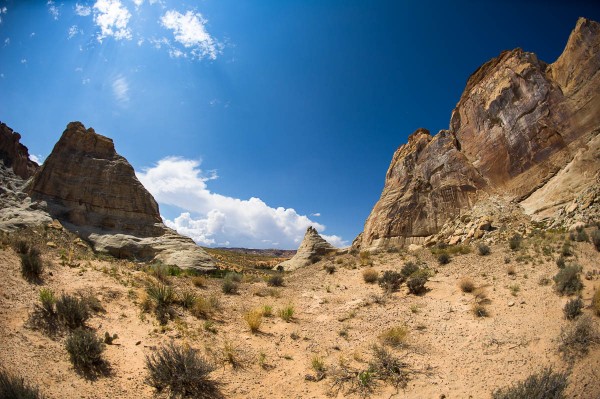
[311, 250]
[15, 155]
[94, 192]
[518, 127]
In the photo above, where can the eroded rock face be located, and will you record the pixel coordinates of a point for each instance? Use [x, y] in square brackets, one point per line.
[312, 248]
[14, 154]
[86, 183]
[518, 123]
[94, 192]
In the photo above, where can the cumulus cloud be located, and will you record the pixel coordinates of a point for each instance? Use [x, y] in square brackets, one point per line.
[112, 18]
[53, 9]
[3, 10]
[82, 11]
[189, 30]
[73, 31]
[120, 88]
[37, 158]
[213, 219]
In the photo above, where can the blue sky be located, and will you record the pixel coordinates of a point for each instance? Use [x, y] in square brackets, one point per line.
[250, 120]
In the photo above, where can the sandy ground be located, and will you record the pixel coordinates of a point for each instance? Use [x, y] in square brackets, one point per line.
[338, 317]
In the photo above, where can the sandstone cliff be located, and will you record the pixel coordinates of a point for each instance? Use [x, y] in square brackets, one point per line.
[312, 248]
[15, 155]
[518, 123]
[94, 192]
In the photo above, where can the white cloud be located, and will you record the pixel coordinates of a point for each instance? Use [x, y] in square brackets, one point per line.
[3, 10]
[53, 9]
[315, 214]
[189, 29]
[6, 41]
[212, 219]
[82, 10]
[37, 158]
[112, 19]
[2, 75]
[120, 88]
[32, 34]
[73, 31]
[85, 81]
[23, 60]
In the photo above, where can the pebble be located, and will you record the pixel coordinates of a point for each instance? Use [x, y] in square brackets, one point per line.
[511, 303]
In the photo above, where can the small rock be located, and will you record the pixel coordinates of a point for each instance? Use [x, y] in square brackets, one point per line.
[51, 244]
[137, 343]
[414, 247]
[511, 303]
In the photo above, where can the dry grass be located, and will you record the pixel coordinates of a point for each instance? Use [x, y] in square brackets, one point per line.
[370, 275]
[395, 336]
[596, 302]
[254, 319]
[200, 281]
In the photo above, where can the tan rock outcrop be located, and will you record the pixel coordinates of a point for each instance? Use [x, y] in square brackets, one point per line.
[518, 123]
[311, 250]
[94, 192]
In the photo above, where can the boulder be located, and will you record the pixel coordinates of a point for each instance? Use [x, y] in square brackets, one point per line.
[311, 250]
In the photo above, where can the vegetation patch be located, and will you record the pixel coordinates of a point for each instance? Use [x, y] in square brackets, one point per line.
[576, 339]
[32, 265]
[466, 285]
[568, 281]
[72, 311]
[370, 275]
[416, 282]
[545, 384]
[395, 336]
[85, 352]
[390, 281]
[181, 372]
[573, 308]
[13, 387]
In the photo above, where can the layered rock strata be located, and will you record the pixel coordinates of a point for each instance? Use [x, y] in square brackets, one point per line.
[311, 250]
[517, 125]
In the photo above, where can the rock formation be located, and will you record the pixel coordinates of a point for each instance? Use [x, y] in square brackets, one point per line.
[311, 250]
[93, 191]
[517, 125]
[15, 155]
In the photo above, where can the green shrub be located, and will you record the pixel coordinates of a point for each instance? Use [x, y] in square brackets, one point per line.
[416, 282]
[567, 249]
[276, 280]
[390, 281]
[579, 235]
[32, 265]
[543, 385]
[596, 239]
[443, 258]
[229, 286]
[483, 249]
[388, 367]
[161, 294]
[408, 269]
[573, 308]
[568, 281]
[576, 339]
[395, 336]
[85, 351]
[13, 387]
[287, 313]
[233, 276]
[370, 275]
[187, 299]
[72, 311]
[515, 242]
[181, 372]
[48, 300]
[560, 262]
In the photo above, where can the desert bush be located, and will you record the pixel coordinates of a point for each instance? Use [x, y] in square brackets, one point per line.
[161, 294]
[390, 281]
[21, 247]
[267, 310]
[181, 372]
[576, 339]
[202, 308]
[511, 270]
[48, 300]
[330, 268]
[568, 281]
[543, 385]
[230, 283]
[408, 269]
[596, 302]
[560, 262]
[395, 336]
[596, 239]
[276, 280]
[466, 284]
[318, 364]
[187, 299]
[162, 271]
[573, 308]
[85, 351]
[579, 235]
[443, 258]
[254, 319]
[370, 275]
[416, 282]
[287, 313]
[365, 258]
[479, 310]
[389, 367]
[567, 249]
[72, 311]
[515, 242]
[32, 265]
[483, 249]
[108, 338]
[13, 387]
[199, 281]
